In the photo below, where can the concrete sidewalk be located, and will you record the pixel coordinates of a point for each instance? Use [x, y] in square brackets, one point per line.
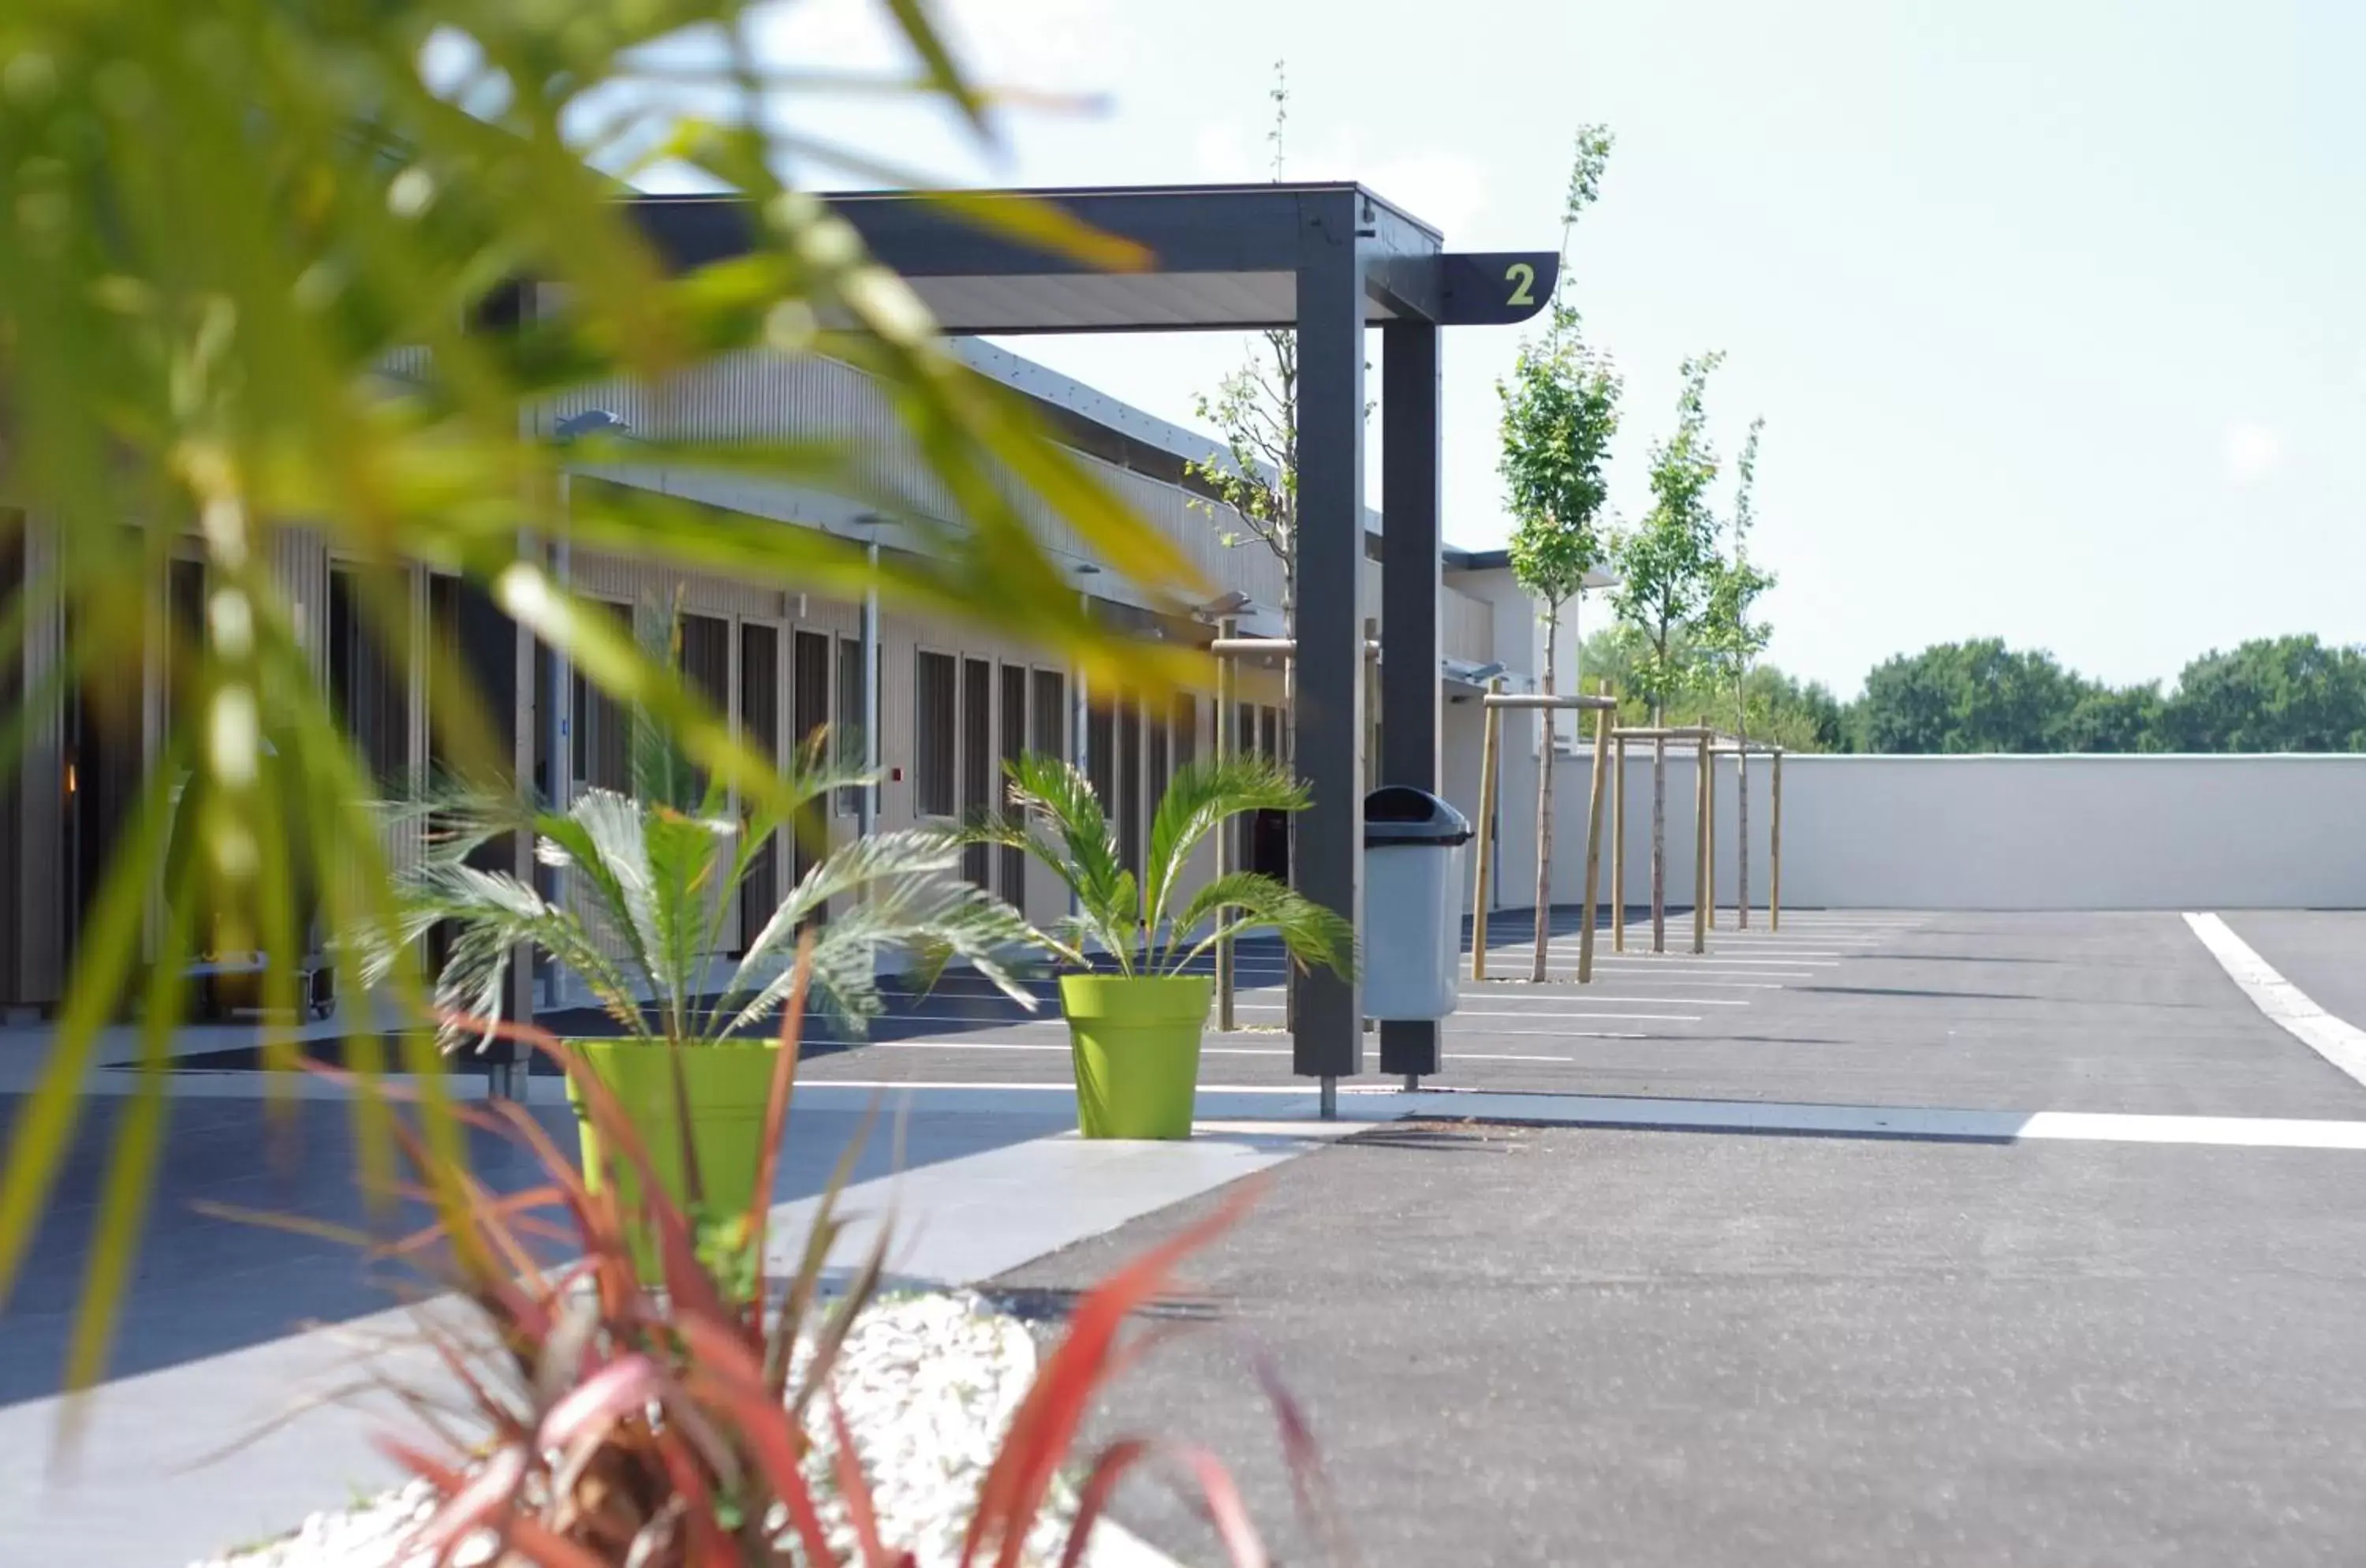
[210, 1350]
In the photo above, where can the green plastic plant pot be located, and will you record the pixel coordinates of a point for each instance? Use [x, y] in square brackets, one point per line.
[1135, 1045]
[728, 1087]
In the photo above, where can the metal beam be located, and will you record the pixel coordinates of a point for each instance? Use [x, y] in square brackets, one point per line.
[1203, 256]
[1549, 700]
[1410, 543]
[1230, 646]
[1327, 848]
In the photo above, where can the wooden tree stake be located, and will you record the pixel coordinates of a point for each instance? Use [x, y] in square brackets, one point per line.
[1490, 759]
[1594, 843]
[1700, 852]
[1618, 851]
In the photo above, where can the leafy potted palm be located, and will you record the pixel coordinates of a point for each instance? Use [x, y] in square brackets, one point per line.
[648, 890]
[1134, 1028]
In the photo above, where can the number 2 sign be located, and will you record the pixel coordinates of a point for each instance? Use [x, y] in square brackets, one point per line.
[1495, 289]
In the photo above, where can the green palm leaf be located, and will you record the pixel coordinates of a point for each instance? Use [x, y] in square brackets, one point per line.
[1054, 796]
[1199, 799]
[1245, 901]
[254, 264]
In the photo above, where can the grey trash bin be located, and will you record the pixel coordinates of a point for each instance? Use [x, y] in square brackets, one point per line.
[1413, 903]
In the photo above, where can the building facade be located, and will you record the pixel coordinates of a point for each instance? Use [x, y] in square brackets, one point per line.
[936, 712]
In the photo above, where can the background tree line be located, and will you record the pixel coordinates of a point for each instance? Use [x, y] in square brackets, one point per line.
[2288, 693]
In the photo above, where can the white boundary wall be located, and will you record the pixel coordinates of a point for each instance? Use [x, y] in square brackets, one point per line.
[1982, 832]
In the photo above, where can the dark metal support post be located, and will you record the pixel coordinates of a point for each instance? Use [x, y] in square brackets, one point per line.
[1409, 640]
[1328, 1040]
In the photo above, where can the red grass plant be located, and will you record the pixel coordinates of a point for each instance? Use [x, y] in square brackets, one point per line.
[659, 1422]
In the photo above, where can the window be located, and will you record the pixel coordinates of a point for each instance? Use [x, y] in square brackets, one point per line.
[936, 701]
[444, 640]
[759, 726]
[366, 678]
[1128, 776]
[1013, 874]
[1161, 761]
[977, 759]
[707, 671]
[1048, 724]
[1185, 722]
[707, 658]
[809, 712]
[852, 720]
[1100, 758]
[603, 727]
[185, 632]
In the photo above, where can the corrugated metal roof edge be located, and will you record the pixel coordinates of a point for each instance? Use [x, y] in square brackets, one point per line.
[1171, 442]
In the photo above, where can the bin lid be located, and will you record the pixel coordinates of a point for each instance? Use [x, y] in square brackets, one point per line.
[1399, 814]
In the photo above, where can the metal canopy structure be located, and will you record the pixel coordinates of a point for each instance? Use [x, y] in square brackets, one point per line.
[1326, 261]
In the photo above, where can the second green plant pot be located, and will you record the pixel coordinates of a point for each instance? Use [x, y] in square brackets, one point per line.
[1135, 1045]
[728, 1086]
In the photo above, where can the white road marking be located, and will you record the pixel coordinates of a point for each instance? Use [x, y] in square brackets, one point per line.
[1530, 1012]
[1454, 1055]
[1370, 1105]
[1637, 955]
[1205, 1050]
[1560, 1034]
[1918, 1121]
[1507, 988]
[1628, 968]
[2289, 1008]
[1569, 978]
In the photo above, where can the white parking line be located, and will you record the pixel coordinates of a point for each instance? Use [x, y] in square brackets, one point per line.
[1519, 991]
[2289, 1006]
[1530, 1012]
[1684, 983]
[1907, 1122]
[1013, 1045]
[1737, 969]
[1370, 1106]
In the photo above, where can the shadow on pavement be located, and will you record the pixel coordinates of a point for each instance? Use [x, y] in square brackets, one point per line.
[202, 1285]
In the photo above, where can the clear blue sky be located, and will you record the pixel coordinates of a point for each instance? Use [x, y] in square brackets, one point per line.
[2057, 312]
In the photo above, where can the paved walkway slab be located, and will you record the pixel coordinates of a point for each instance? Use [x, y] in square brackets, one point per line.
[210, 1351]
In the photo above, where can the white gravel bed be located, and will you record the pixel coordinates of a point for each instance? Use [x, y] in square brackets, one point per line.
[928, 1383]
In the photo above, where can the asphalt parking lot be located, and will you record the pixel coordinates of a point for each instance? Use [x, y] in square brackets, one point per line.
[1609, 1346]
[1654, 1345]
[2102, 1012]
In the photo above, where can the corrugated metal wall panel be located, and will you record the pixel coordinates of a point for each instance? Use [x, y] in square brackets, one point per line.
[1466, 626]
[299, 565]
[760, 392]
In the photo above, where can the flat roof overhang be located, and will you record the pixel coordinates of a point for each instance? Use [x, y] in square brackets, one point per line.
[1326, 262]
[1213, 258]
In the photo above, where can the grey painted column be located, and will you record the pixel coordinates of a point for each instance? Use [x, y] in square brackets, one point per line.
[1328, 851]
[1409, 646]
